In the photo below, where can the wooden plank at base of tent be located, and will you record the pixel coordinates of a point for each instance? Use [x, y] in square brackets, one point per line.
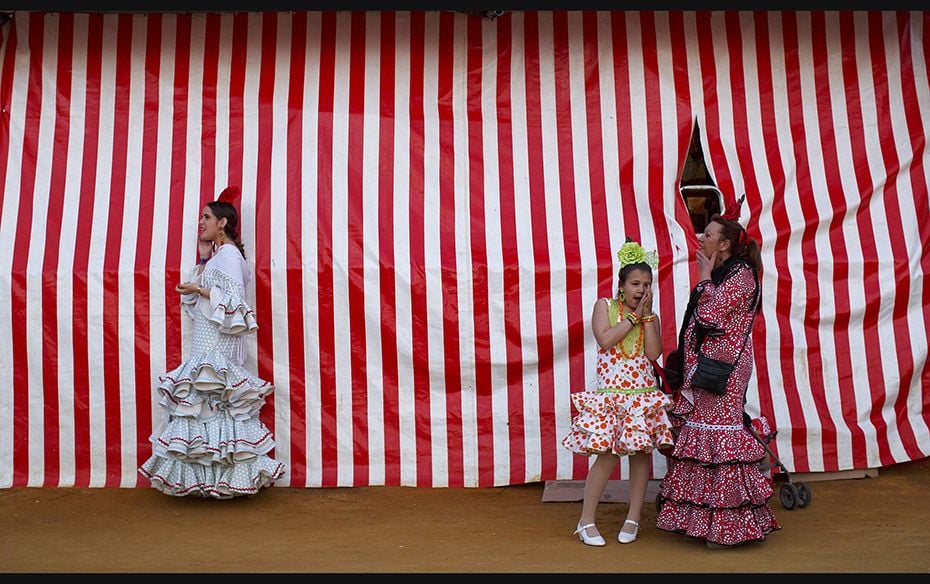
[615, 492]
[619, 491]
[809, 477]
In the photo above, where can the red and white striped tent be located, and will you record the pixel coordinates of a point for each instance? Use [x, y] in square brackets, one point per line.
[431, 204]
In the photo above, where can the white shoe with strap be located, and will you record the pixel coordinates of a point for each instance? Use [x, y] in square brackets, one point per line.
[581, 532]
[626, 537]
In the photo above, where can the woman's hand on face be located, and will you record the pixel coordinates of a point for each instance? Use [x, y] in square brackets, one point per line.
[705, 265]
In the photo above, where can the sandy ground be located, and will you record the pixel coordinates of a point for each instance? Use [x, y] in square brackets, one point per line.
[861, 525]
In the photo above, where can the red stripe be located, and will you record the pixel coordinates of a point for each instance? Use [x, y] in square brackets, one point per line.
[327, 332]
[542, 281]
[418, 296]
[895, 226]
[781, 251]
[600, 217]
[864, 222]
[57, 181]
[753, 195]
[656, 189]
[210, 79]
[811, 219]
[265, 126]
[296, 335]
[841, 312]
[452, 357]
[111, 277]
[509, 256]
[624, 116]
[6, 92]
[918, 176]
[18, 280]
[355, 244]
[386, 260]
[177, 181]
[686, 124]
[79, 319]
[481, 299]
[238, 57]
[713, 132]
[142, 276]
[577, 323]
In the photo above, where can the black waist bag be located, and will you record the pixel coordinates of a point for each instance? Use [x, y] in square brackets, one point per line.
[711, 375]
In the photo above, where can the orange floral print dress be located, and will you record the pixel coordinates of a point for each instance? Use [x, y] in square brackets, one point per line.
[627, 413]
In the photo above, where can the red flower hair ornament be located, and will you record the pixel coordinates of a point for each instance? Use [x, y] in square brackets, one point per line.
[733, 215]
[230, 195]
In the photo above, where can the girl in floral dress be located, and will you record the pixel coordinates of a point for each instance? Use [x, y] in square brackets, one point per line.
[626, 414]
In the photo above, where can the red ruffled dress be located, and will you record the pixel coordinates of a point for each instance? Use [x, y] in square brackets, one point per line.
[714, 489]
[627, 413]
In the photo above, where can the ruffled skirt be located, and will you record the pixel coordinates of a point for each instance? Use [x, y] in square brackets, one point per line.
[619, 423]
[714, 489]
[213, 443]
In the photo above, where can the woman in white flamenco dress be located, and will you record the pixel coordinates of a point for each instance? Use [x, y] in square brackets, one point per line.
[212, 442]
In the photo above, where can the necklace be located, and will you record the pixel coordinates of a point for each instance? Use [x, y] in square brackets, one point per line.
[637, 347]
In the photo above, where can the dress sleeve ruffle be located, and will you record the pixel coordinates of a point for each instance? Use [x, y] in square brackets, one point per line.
[228, 308]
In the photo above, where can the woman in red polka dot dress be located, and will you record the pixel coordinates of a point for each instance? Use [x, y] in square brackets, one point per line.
[626, 414]
[714, 489]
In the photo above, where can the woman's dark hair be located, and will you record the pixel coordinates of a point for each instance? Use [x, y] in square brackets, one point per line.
[628, 269]
[224, 210]
[743, 246]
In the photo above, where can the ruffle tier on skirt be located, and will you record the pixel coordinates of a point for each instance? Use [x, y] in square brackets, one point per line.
[714, 489]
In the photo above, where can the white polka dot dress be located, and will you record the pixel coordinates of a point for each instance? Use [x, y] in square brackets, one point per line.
[212, 442]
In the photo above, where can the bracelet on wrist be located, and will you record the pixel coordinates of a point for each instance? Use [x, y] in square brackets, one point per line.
[648, 318]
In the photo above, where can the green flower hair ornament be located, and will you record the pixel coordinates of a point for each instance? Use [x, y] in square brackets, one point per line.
[633, 253]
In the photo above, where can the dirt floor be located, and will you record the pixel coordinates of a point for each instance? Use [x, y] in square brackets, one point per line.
[862, 525]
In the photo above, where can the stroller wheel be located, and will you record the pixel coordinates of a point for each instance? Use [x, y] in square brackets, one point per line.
[789, 495]
[804, 495]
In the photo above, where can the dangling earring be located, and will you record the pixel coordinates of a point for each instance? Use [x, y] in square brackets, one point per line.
[622, 295]
[222, 237]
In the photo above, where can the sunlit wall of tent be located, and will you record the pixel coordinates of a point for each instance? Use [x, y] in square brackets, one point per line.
[432, 202]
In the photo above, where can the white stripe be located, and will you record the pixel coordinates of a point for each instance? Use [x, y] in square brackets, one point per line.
[463, 254]
[826, 348]
[888, 348]
[524, 240]
[340, 163]
[131, 223]
[309, 222]
[250, 157]
[221, 103]
[671, 167]
[95, 321]
[497, 300]
[855, 260]
[432, 259]
[278, 239]
[35, 347]
[405, 381]
[158, 303]
[66, 245]
[8, 224]
[370, 193]
[915, 399]
[911, 232]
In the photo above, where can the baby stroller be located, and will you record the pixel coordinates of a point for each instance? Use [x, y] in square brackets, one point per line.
[791, 494]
